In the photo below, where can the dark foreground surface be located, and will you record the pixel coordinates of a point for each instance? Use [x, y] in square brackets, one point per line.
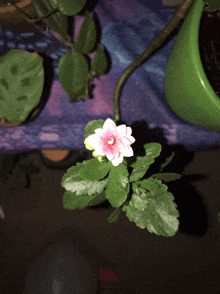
[189, 262]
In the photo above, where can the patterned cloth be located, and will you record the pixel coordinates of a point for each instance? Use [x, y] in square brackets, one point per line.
[128, 28]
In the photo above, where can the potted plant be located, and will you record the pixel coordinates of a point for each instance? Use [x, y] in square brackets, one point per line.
[193, 67]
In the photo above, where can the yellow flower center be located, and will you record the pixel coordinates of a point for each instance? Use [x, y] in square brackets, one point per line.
[111, 141]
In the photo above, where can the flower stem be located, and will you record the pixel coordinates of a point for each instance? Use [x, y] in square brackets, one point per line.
[156, 43]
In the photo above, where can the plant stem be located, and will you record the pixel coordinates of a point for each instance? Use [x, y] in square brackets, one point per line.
[156, 43]
[69, 45]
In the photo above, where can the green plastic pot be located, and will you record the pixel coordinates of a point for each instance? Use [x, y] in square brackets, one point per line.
[187, 89]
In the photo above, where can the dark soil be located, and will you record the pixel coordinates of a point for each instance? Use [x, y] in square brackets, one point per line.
[209, 45]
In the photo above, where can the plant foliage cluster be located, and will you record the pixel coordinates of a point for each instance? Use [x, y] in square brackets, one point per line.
[128, 187]
[22, 74]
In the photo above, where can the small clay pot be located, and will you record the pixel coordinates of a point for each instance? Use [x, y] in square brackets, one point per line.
[55, 155]
[62, 159]
[14, 20]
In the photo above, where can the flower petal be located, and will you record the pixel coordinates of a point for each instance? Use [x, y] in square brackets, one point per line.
[117, 160]
[98, 152]
[109, 125]
[128, 152]
[125, 141]
[122, 130]
[128, 131]
[88, 146]
[110, 156]
[99, 132]
[131, 139]
[93, 140]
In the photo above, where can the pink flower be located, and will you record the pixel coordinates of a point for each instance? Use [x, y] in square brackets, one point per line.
[111, 141]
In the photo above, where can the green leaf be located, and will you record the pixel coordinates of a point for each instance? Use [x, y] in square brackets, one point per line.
[86, 37]
[97, 199]
[73, 73]
[139, 201]
[93, 170]
[167, 177]
[137, 190]
[150, 184]
[152, 150]
[69, 7]
[118, 185]
[137, 174]
[115, 195]
[72, 182]
[80, 94]
[115, 215]
[74, 201]
[168, 160]
[154, 210]
[57, 21]
[99, 63]
[92, 126]
[80, 194]
[21, 84]
[118, 175]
